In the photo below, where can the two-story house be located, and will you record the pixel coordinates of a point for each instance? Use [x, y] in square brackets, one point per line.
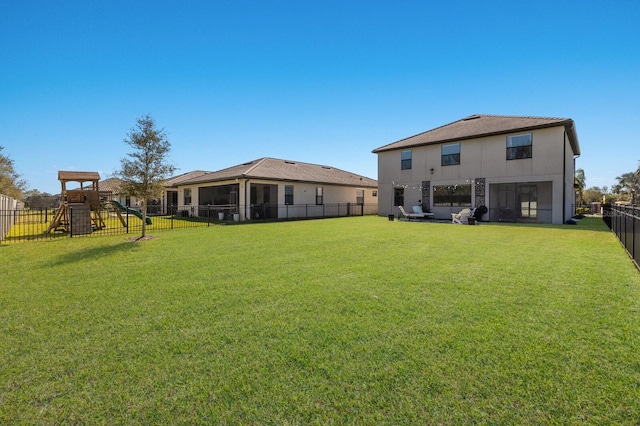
[520, 168]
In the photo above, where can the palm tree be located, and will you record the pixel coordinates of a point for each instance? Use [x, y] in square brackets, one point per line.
[629, 183]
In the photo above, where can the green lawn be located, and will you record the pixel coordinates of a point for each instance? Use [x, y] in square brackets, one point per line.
[337, 321]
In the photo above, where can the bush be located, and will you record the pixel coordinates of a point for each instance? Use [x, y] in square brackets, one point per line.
[581, 211]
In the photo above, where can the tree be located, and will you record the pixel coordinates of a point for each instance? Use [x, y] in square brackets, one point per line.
[35, 199]
[579, 183]
[593, 195]
[144, 172]
[628, 183]
[10, 182]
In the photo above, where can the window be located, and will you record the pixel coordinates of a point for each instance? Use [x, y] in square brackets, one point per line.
[359, 196]
[187, 196]
[374, 193]
[319, 198]
[451, 195]
[451, 154]
[398, 197]
[406, 160]
[288, 195]
[519, 147]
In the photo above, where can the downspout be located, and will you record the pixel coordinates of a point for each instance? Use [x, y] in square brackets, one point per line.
[564, 167]
[564, 176]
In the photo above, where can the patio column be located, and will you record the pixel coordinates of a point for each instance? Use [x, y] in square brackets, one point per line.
[243, 190]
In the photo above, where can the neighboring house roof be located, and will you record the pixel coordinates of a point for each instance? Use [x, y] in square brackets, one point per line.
[285, 170]
[113, 184]
[176, 180]
[110, 185]
[480, 125]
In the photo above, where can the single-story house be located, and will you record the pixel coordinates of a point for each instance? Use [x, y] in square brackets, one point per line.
[110, 189]
[271, 188]
[170, 200]
[520, 168]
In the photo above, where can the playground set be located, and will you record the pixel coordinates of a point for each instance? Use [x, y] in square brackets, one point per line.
[80, 211]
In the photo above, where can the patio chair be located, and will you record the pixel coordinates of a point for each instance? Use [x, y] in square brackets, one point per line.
[418, 211]
[408, 216]
[462, 217]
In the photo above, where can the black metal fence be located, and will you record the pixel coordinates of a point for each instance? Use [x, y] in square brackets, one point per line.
[625, 222]
[45, 224]
[38, 224]
[262, 212]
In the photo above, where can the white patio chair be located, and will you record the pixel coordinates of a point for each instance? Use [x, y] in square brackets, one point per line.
[462, 217]
[418, 211]
[407, 216]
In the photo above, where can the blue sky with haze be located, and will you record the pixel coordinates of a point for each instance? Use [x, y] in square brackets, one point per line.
[321, 82]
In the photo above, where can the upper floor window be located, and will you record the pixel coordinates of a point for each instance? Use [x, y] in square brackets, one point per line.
[319, 197]
[406, 160]
[519, 147]
[288, 195]
[451, 154]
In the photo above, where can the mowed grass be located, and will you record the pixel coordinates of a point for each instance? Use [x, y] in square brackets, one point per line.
[338, 321]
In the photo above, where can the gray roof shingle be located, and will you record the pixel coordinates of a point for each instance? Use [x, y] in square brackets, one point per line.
[110, 185]
[285, 170]
[174, 181]
[481, 125]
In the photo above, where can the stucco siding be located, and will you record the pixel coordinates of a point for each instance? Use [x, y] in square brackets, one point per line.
[552, 162]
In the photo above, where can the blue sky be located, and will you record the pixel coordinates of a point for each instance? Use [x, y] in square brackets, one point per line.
[322, 82]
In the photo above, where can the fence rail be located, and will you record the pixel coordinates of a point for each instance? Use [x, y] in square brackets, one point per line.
[624, 221]
[35, 224]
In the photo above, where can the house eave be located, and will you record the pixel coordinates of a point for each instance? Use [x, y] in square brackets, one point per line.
[568, 125]
[362, 184]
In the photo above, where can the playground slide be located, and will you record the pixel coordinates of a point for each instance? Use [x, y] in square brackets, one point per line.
[136, 213]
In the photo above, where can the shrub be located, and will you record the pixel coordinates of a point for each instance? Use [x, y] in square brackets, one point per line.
[581, 211]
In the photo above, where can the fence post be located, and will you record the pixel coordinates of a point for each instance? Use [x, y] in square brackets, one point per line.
[633, 232]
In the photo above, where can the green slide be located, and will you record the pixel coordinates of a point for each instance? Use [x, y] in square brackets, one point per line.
[128, 210]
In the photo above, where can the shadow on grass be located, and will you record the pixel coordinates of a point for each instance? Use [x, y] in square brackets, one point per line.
[586, 224]
[94, 253]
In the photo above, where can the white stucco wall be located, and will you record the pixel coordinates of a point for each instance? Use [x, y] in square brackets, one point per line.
[303, 194]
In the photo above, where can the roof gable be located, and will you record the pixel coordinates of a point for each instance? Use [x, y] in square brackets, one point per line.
[480, 125]
[285, 170]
